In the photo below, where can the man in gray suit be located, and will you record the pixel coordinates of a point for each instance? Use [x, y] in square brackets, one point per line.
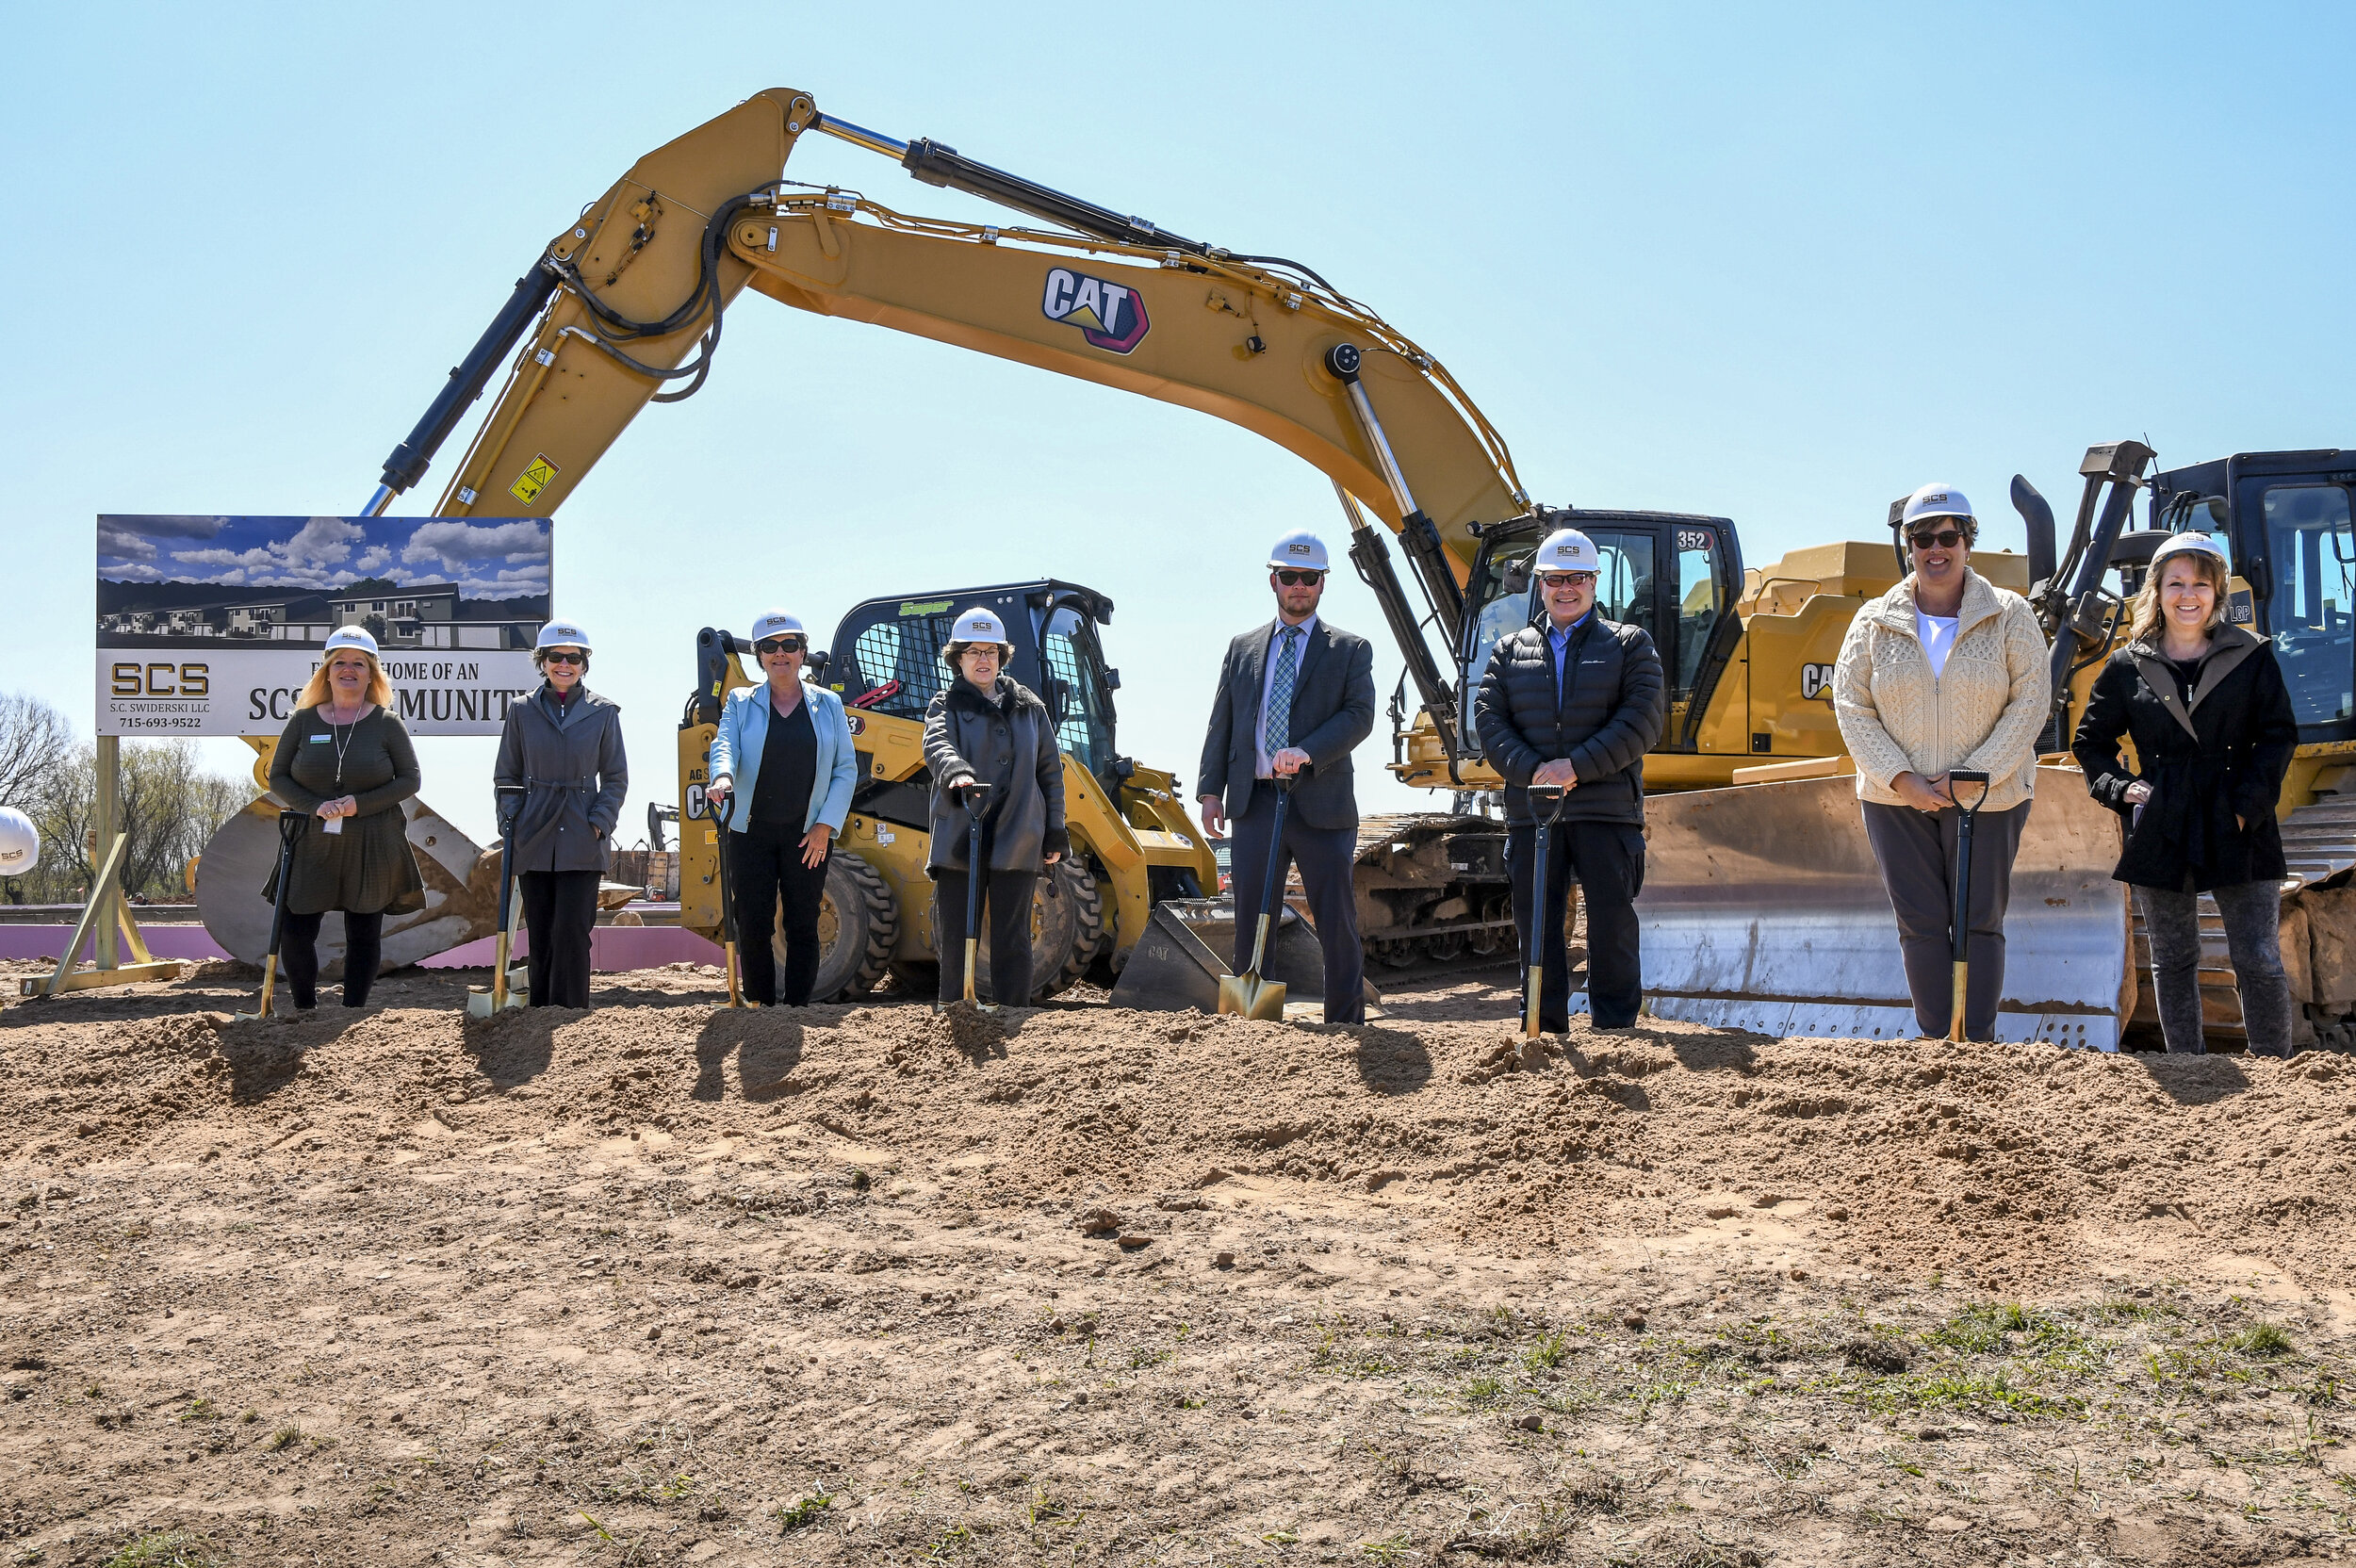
[1294, 698]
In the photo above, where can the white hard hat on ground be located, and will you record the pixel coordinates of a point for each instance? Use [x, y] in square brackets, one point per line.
[20, 842]
[1937, 500]
[777, 623]
[1566, 550]
[562, 634]
[350, 637]
[2187, 543]
[977, 625]
[1302, 550]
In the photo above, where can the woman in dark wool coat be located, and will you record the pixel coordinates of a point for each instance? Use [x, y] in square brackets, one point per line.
[2204, 703]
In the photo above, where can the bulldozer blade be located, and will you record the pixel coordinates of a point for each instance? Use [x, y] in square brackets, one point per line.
[1764, 909]
[1187, 959]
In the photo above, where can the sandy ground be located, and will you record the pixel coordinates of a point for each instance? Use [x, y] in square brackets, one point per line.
[665, 1282]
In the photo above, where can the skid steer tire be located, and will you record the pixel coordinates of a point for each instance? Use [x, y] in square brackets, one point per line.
[1067, 930]
[858, 927]
[1087, 908]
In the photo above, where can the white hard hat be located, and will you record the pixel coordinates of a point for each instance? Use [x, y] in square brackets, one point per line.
[977, 625]
[1302, 550]
[2186, 544]
[775, 623]
[1937, 500]
[20, 842]
[562, 634]
[351, 637]
[1566, 550]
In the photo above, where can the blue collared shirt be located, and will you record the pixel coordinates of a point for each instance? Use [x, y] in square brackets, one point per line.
[1559, 638]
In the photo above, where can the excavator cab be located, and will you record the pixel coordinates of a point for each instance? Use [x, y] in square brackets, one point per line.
[1675, 576]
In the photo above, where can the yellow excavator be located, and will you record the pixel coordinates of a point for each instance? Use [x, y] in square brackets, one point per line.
[1760, 905]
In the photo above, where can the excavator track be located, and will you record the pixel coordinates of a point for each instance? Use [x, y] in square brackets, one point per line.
[1432, 894]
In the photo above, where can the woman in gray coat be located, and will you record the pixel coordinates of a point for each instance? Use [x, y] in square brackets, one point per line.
[563, 749]
[988, 728]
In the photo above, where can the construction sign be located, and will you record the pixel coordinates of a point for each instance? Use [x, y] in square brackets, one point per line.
[213, 625]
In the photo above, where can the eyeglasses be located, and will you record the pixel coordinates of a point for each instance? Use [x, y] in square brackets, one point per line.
[780, 645]
[564, 656]
[1300, 580]
[1566, 579]
[1945, 539]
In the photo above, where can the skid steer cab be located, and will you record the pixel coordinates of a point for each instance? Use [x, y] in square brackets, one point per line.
[1132, 842]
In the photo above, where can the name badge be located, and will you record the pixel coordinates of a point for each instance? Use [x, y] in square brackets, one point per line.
[318, 739]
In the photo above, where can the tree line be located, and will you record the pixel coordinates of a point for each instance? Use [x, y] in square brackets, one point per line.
[169, 803]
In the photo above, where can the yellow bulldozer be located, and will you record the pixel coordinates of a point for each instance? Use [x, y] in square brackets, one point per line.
[1761, 902]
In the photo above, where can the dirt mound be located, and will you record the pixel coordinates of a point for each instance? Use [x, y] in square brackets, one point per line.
[1139, 1282]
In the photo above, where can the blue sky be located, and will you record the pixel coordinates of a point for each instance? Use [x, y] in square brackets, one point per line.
[1780, 264]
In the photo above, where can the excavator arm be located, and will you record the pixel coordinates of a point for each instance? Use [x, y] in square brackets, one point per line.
[627, 305]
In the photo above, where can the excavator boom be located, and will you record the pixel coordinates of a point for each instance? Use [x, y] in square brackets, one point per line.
[628, 302]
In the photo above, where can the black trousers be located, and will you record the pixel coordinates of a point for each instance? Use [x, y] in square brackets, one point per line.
[364, 948]
[1916, 851]
[1608, 859]
[1007, 904]
[766, 873]
[1325, 856]
[560, 913]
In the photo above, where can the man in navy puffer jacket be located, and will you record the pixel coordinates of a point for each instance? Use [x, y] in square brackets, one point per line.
[1574, 702]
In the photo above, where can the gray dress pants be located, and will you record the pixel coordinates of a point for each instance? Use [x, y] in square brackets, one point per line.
[1916, 851]
[2253, 935]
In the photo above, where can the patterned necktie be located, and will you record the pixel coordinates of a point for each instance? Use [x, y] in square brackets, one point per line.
[1278, 730]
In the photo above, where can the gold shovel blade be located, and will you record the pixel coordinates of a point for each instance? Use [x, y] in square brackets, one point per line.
[1248, 996]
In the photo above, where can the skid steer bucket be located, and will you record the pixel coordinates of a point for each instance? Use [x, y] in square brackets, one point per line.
[1763, 909]
[1190, 947]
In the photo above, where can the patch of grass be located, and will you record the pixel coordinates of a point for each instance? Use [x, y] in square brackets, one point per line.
[804, 1510]
[1966, 1390]
[2262, 1339]
[1484, 1391]
[284, 1437]
[1390, 1548]
[1048, 1508]
[168, 1549]
[247, 1417]
[200, 1409]
[1547, 1353]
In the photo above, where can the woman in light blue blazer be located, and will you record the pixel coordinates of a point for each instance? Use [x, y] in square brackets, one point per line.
[782, 770]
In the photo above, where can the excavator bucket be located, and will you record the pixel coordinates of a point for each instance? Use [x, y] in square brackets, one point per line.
[1188, 954]
[1763, 909]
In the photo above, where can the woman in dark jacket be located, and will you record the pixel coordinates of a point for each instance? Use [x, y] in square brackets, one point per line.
[562, 748]
[345, 758]
[988, 728]
[2204, 703]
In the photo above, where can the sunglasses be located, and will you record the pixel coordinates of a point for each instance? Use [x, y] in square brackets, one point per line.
[1298, 579]
[1945, 539]
[780, 645]
[1572, 579]
[564, 656]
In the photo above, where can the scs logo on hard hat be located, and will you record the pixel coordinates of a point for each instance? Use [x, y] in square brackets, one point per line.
[1109, 315]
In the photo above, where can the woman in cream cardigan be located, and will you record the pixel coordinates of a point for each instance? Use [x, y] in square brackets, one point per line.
[1945, 671]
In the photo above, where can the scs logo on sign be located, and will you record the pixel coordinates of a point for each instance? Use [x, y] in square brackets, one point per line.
[1109, 315]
